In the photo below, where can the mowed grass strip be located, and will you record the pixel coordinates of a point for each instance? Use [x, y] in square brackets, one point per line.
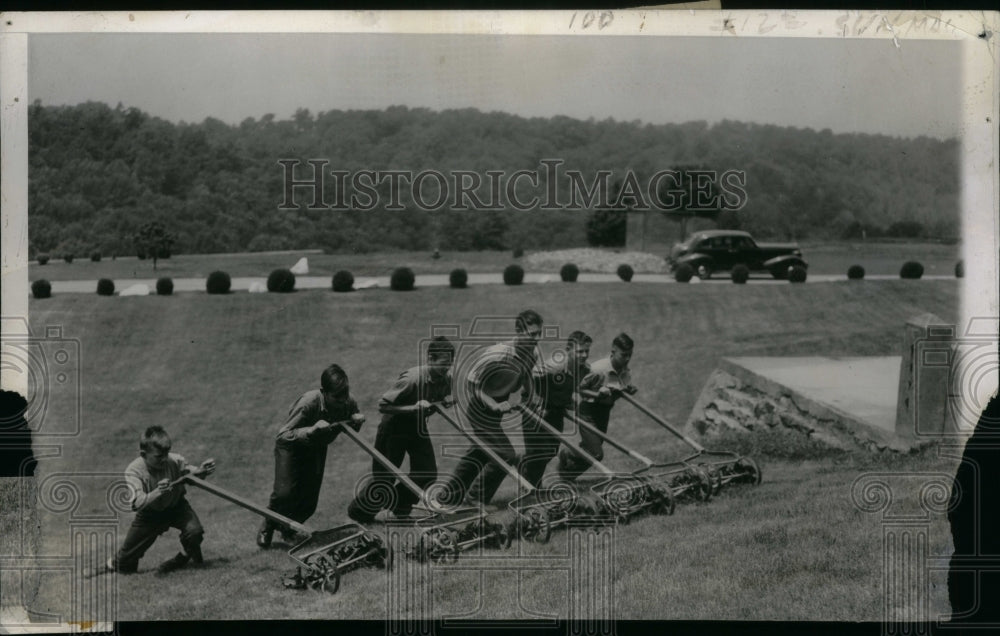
[219, 373]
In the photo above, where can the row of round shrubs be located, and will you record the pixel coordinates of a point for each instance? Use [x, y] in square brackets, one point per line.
[43, 258]
[910, 270]
[740, 274]
[283, 280]
[42, 288]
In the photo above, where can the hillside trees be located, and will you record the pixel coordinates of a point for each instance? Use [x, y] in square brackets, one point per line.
[98, 173]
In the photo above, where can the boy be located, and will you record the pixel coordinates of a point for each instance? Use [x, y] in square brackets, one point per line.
[313, 422]
[159, 506]
[607, 377]
[403, 431]
[499, 371]
[555, 383]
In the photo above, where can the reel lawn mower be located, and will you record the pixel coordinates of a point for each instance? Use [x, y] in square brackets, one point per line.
[444, 532]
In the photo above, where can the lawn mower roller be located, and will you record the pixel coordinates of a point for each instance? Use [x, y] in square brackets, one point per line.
[723, 467]
[444, 532]
[621, 496]
[684, 481]
[323, 555]
[536, 511]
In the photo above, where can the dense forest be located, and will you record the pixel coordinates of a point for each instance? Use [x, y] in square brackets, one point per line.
[97, 174]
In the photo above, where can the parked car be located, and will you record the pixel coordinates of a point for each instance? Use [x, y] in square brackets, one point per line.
[711, 251]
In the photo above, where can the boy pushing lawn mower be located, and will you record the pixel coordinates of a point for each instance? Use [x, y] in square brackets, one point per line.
[403, 431]
[155, 478]
[599, 389]
[314, 421]
[555, 385]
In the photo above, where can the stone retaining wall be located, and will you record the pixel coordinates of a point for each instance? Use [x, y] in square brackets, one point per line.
[735, 398]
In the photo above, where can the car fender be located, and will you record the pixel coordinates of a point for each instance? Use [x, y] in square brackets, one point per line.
[693, 259]
[788, 259]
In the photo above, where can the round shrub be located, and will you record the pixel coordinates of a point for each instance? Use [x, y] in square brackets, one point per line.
[740, 274]
[518, 252]
[569, 273]
[402, 279]
[513, 275]
[458, 278]
[95, 256]
[911, 269]
[343, 281]
[959, 268]
[683, 273]
[218, 282]
[855, 272]
[105, 287]
[281, 281]
[625, 272]
[164, 286]
[436, 255]
[41, 288]
[68, 258]
[797, 274]
[43, 259]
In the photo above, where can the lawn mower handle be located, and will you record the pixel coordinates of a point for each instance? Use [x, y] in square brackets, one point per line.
[610, 440]
[563, 439]
[510, 470]
[392, 468]
[246, 503]
[662, 422]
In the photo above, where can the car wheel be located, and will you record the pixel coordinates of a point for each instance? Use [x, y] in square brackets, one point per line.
[704, 271]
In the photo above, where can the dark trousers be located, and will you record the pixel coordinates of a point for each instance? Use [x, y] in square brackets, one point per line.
[571, 464]
[298, 475]
[540, 446]
[476, 475]
[147, 526]
[396, 439]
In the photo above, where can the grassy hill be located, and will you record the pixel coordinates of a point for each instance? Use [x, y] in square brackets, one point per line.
[219, 372]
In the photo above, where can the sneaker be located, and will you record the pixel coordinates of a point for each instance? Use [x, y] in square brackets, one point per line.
[175, 562]
[359, 516]
[105, 568]
[264, 537]
[469, 502]
[195, 553]
[293, 536]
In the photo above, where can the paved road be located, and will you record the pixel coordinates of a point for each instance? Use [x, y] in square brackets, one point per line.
[433, 280]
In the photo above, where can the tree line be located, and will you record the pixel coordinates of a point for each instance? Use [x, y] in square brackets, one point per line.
[98, 174]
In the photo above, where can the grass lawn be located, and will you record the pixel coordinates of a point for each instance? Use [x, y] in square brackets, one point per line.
[827, 258]
[219, 372]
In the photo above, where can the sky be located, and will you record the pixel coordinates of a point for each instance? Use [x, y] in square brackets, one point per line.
[868, 86]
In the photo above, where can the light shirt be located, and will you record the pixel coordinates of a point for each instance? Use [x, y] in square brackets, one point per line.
[500, 370]
[555, 382]
[603, 374]
[143, 481]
